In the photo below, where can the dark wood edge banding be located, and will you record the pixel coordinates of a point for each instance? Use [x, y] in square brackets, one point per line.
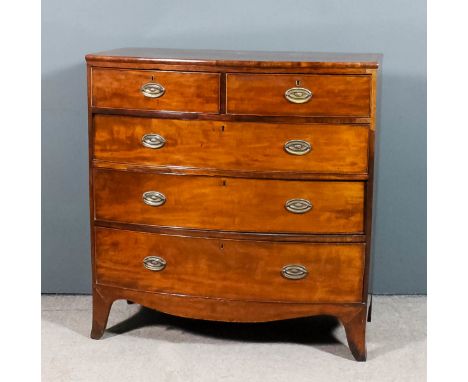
[165, 114]
[238, 65]
[228, 69]
[90, 171]
[237, 59]
[368, 207]
[232, 235]
[369, 194]
[224, 299]
[180, 170]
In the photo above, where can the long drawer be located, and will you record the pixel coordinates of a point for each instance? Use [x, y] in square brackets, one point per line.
[231, 204]
[247, 270]
[318, 148]
[155, 90]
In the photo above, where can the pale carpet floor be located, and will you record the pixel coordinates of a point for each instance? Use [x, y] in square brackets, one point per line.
[143, 345]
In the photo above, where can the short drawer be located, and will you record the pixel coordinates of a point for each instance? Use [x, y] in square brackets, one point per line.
[155, 90]
[233, 269]
[299, 95]
[232, 145]
[231, 204]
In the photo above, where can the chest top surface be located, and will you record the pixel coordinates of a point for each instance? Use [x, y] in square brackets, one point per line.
[239, 58]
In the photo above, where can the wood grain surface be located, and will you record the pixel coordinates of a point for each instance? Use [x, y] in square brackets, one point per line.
[184, 91]
[231, 204]
[236, 58]
[232, 145]
[224, 230]
[231, 269]
[332, 95]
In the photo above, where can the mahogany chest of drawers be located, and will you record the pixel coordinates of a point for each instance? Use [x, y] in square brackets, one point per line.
[232, 186]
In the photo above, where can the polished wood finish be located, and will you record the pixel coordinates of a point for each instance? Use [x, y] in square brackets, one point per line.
[241, 311]
[225, 120]
[375, 98]
[264, 94]
[181, 170]
[232, 117]
[234, 59]
[229, 203]
[102, 303]
[232, 145]
[232, 269]
[184, 91]
[236, 235]
[355, 328]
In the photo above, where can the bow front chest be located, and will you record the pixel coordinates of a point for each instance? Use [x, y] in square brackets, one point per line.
[232, 186]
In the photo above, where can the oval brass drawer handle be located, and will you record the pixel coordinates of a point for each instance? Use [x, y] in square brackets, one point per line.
[154, 263]
[152, 90]
[153, 141]
[294, 272]
[298, 206]
[298, 95]
[154, 198]
[297, 147]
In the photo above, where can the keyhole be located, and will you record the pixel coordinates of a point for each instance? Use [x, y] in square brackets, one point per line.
[221, 246]
[152, 78]
[222, 129]
[298, 83]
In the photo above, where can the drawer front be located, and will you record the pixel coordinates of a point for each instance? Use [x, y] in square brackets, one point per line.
[231, 204]
[232, 146]
[324, 95]
[155, 90]
[228, 268]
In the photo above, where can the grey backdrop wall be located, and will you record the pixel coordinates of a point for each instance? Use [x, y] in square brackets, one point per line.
[395, 28]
